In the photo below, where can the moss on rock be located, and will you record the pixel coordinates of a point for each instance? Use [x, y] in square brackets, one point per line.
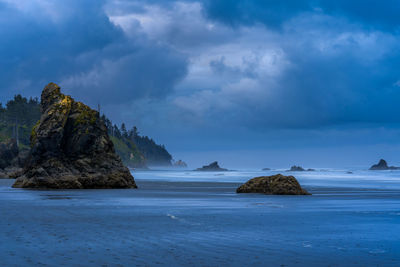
[33, 137]
[71, 148]
[87, 116]
[273, 185]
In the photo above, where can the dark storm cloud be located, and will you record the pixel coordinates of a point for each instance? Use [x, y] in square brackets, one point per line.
[343, 64]
[372, 13]
[37, 48]
[271, 12]
[74, 43]
[319, 90]
[263, 64]
[149, 72]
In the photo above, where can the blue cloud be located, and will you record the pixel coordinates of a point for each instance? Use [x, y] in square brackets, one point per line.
[371, 13]
[71, 43]
[271, 12]
[36, 49]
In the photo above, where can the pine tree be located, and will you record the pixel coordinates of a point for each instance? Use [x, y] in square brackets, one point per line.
[123, 131]
[117, 132]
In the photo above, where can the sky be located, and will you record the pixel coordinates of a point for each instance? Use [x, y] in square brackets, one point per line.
[257, 83]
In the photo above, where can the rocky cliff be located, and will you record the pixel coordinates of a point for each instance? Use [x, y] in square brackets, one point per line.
[12, 159]
[70, 148]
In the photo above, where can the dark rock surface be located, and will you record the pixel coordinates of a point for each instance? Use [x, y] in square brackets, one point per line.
[382, 165]
[266, 169]
[299, 169]
[180, 164]
[296, 169]
[70, 148]
[273, 185]
[12, 159]
[213, 167]
[8, 153]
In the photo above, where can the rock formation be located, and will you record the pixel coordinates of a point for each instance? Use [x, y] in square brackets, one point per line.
[273, 185]
[299, 169]
[8, 153]
[180, 164]
[12, 158]
[213, 167]
[382, 165]
[266, 169]
[70, 148]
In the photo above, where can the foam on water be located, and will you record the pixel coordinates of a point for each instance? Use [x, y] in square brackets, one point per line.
[362, 179]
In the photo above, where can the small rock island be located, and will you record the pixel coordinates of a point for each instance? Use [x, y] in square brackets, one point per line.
[179, 164]
[213, 167]
[273, 185]
[70, 148]
[299, 169]
[382, 165]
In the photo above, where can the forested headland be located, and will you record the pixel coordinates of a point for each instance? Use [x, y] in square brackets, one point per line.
[19, 115]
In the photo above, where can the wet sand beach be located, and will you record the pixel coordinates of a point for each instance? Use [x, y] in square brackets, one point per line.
[204, 223]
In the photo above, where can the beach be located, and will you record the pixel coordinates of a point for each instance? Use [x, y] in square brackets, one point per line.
[183, 218]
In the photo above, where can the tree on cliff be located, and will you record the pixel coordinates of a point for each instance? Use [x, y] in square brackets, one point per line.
[20, 115]
[18, 118]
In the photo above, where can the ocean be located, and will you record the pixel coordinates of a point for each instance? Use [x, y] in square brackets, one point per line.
[187, 218]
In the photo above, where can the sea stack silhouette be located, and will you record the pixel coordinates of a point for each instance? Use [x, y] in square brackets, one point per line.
[382, 165]
[70, 148]
[299, 169]
[212, 167]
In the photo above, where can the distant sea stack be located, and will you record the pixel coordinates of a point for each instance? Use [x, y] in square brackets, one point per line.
[299, 169]
[70, 148]
[273, 185]
[382, 165]
[213, 167]
[179, 164]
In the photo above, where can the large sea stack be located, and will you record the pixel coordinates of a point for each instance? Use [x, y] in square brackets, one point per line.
[273, 185]
[70, 148]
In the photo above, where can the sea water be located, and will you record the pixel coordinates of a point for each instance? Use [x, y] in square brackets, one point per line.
[188, 218]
